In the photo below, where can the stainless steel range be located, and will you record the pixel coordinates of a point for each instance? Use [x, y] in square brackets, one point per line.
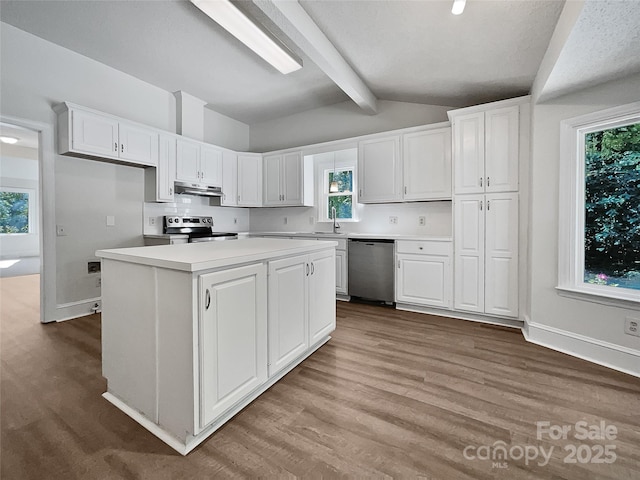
[199, 229]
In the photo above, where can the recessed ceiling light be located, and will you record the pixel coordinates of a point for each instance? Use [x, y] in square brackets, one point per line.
[458, 6]
[10, 140]
[240, 26]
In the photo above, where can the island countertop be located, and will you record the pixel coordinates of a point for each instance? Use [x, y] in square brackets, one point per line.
[195, 257]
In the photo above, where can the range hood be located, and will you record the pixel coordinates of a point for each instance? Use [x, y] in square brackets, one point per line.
[197, 189]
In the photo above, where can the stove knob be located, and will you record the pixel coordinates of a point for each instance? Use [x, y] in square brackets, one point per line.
[170, 220]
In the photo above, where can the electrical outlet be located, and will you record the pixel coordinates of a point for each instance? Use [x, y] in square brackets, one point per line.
[422, 220]
[393, 220]
[61, 231]
[632, 326]
[93, 267]
[152, 220]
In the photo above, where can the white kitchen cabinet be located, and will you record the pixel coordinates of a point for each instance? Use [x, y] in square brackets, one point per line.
[424, 273]
[486, 150]
[284, 180]
[379, 170]
[427, 165]
[198, 163]
[301, 305]
[85, 132]
[233, 337]
[249, 180]
[159, 181]
[486, 253]
[229, 179]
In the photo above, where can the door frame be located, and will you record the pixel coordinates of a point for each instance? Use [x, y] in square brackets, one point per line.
[46, 187]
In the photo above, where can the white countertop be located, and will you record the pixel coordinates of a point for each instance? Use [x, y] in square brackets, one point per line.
[194, 257]
[389, 236]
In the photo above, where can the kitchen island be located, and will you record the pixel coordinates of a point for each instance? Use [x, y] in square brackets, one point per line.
[193, 333]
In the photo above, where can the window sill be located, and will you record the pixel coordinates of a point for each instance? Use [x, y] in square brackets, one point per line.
[596, 295]
[340, 220]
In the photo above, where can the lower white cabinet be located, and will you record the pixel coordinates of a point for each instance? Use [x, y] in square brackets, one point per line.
[486, 253]
[301, 305]
[424, 273]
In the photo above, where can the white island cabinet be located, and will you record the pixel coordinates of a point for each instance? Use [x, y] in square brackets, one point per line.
[187, 337]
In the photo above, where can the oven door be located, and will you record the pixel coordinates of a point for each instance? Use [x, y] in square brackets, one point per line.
[214, 237]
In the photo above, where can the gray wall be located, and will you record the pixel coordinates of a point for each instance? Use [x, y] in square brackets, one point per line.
[342, 120]
[600, 322]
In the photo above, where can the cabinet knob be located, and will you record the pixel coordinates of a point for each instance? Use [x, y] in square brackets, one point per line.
[480, 204]
[115, 146]
[488, 181]
[488, 205]
[480, 181]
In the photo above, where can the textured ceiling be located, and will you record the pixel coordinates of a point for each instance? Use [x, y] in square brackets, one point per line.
[413, 51]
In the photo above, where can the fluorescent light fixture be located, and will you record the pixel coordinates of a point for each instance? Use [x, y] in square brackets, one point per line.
[9, 140]
[238, 24]
[458, 6]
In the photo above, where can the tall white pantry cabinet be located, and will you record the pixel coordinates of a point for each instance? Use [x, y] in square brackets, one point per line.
[490, 145]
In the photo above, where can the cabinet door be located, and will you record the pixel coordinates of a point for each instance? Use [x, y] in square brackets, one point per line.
[379, 170]
[322, 295]
[272, 180]
[424, 280]
[288, 307]
[292, 178]
[341, 272]
[229, 179]
[233, 337]
[94, 134]
[138, 144]
[249, 180]
[468, 153]
[427, 165]
[502, 149]
[211, 166]
[501, 265]
[187, 161]
[469, 253]
[166, 170]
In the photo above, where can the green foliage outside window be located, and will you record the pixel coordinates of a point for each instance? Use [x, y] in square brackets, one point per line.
[612, 207]
[14, 212]
[342, 200]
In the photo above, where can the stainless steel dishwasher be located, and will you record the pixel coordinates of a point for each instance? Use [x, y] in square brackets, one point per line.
[371, 272]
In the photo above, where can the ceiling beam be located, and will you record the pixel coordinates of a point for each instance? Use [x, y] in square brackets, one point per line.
[314, 43]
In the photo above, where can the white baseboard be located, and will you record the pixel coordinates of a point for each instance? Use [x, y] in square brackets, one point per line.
[69, 311]
[472, 317]
[617, 357]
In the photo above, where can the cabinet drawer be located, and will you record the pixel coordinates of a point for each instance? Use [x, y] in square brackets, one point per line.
[426, 247]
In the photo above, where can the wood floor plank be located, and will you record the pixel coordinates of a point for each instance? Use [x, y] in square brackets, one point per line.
[393, 395]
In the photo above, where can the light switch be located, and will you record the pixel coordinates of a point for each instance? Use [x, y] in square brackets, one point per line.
[111, 221]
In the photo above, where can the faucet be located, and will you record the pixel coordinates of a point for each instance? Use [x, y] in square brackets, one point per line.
[336, 225]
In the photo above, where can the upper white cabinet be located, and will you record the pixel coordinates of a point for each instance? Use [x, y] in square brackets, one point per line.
[286, 180]
[379, 170]
[426, 162]
[198, 163]
[159, 181]
[486, 150]
[486, 253]
[249, 180]
[229, 179]
[84, 132]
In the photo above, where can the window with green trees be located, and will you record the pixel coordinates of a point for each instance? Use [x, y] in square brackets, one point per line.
[342, 199]
[612, 207]
[14, 212]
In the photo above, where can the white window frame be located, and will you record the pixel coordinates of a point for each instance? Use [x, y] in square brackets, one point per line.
[322, 188]
[572, 204]
[32, 227]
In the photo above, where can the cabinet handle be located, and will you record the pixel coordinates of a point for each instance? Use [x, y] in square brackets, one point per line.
[360, 192]
[488, 181]
[405, 190]
[238, 198]
[307, 269]
[488, 204]
[207, 301]
[170, 190]
[115, 146]
[480, 204]
[313, 268]
[480, 181]
[224, 196]
[398, 263]
[122, 147]
[420, 248]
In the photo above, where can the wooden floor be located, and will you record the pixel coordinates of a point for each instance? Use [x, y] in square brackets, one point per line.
[393, 394]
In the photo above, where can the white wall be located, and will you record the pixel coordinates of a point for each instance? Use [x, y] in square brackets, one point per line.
[225, 131]
[603, 326]
[342, 120]
[19, 169]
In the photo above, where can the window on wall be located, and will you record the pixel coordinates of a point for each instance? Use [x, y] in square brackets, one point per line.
[342, 198]
[600, 209]
[14, 211]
